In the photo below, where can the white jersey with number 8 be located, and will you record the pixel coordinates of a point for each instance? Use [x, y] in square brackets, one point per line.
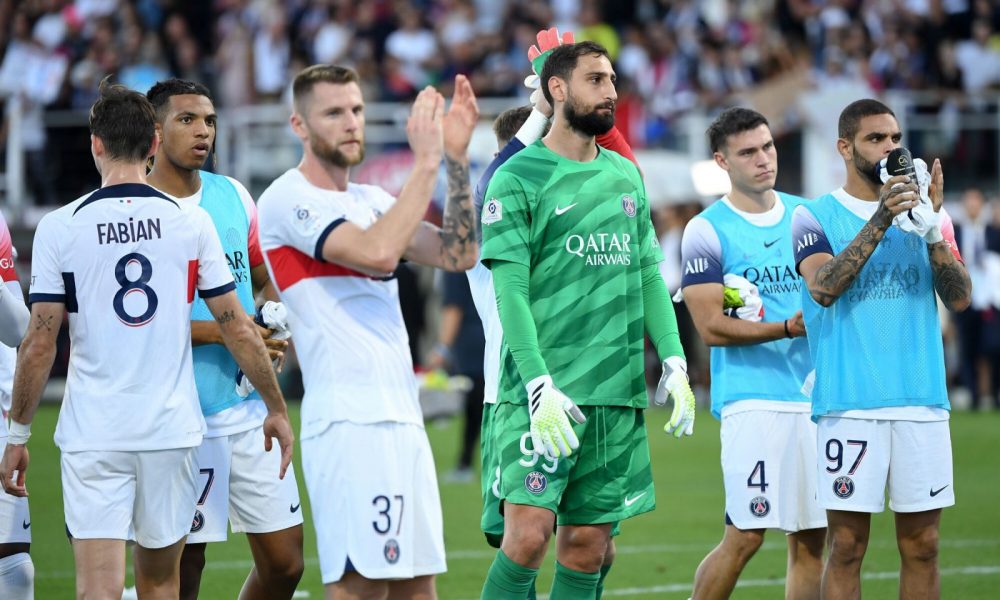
[125, 261]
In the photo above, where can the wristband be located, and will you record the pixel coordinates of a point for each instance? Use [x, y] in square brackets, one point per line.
[18, 433]
[788, 334]
[533, 127]
[934, 236]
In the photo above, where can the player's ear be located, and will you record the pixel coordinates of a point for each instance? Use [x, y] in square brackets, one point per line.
[845, 149]
[159, 132]
[96, 145]
[557, 87]
[298, 126]
[720, 160]
[155, 145]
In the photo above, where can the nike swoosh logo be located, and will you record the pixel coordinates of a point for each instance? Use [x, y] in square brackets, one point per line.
[25, 524]
[293, 508]
[769, 244]
[938, 491]
[631, 501]
[560, 211]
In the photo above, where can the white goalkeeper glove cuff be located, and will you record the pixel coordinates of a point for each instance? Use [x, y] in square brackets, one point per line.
[533, 127]
[551, 431]
[674, 383]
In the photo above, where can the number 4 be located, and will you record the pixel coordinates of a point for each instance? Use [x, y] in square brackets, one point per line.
[758, 468]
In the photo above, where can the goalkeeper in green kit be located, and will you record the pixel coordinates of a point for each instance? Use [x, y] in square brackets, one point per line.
[568, 238]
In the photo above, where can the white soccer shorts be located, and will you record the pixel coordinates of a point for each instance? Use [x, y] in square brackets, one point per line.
[145, 496]
[769, 470]
[374, 496]
[15, 520]
[858, 458]
[238, 484]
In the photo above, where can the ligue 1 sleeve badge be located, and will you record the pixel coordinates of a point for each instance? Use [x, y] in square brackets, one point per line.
[492, 211]
[628, 205]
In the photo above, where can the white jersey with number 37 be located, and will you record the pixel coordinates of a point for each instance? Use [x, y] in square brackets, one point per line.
[125, 261]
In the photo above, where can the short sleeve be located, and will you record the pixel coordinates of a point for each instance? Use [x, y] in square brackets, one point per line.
[701, 253]
[7, 270]
[505, 221]
[808, 237]
[46, 266]
[291, 219]
[214, 276]
[649, 244]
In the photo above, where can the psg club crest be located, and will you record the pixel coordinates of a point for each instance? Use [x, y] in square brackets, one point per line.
[843, 487]
[760, 507]
[198, 522]
[628, 205]
[492, 211]
[391, 551]
[536, 482]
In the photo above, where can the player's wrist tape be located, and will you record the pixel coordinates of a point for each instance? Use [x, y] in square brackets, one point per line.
[18, 433]
[788, 333]
[533, 127]
[934, 236]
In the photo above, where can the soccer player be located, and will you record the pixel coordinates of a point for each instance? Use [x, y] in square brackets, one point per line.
[237, 476]
[568, 238]
[17, 573]
[758, 364]
[331, 247]
[125, 262]
[879, 398]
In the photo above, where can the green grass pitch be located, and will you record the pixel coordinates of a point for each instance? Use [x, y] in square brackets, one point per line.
[657, 552]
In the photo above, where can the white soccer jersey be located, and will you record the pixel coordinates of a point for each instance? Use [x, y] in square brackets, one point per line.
[348, 328]
[125, 261]
[484, 297]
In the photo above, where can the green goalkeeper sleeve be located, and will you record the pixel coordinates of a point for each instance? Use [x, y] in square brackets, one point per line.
[510, 280]
[661, 322]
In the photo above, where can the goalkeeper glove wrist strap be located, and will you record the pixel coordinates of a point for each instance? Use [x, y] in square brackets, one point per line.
[533, 127]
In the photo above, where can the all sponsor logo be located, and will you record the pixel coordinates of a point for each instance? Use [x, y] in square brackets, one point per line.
[843, 487]
[628, 205]
[807, 240]
[391, 551]
[536, 482]
[760, 507]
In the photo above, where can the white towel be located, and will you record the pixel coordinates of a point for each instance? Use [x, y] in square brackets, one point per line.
[272, 315]
[922, 218]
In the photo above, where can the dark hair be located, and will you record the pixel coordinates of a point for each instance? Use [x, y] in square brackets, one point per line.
[308, 77]
[124, 121]
[508, 122]
[159, 95]
[850, 117]
[731, 122]
[563, 60]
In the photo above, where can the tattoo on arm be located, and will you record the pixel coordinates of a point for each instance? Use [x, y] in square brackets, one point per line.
[226, 317]
[951, 279]
[833, 278]
[458, 224]
[43, 322]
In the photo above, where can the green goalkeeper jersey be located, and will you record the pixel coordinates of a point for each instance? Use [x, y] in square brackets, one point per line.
[584, 231]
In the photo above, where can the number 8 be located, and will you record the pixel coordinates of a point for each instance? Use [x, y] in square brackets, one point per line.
[139, 285]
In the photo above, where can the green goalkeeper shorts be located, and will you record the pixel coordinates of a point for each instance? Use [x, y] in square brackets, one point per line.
[608, 479]
[492, 518]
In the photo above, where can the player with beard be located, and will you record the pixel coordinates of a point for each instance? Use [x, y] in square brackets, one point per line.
[237, 482]
[331, 247]
[879, 400]
[568, 238]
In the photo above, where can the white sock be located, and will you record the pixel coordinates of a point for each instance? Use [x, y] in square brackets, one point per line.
[17, 577]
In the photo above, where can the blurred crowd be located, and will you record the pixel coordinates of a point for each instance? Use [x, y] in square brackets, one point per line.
[670, 55]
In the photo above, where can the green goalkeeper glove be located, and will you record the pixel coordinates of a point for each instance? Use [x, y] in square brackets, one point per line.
[674, 383]
[551, 432]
